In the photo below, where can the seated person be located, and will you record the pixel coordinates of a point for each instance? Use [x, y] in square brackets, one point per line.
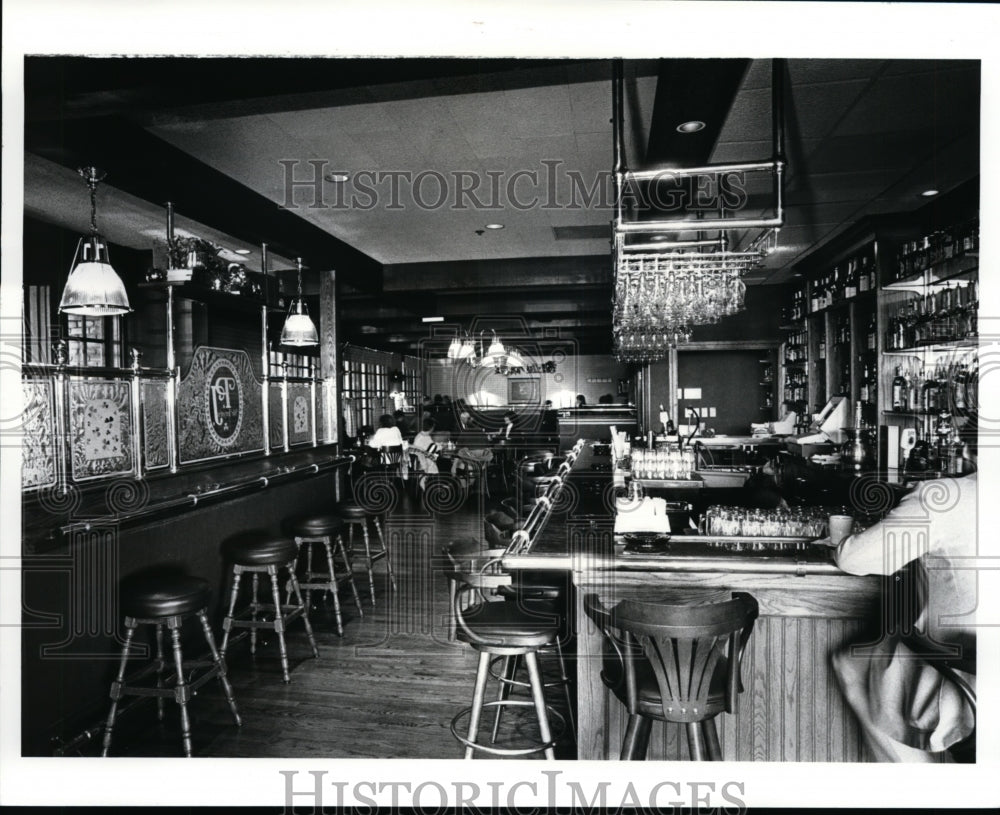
[908, 711]
[785, 426]
[425, 449]
[387, 435]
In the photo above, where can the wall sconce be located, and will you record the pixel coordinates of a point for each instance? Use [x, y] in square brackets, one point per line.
[93, 288]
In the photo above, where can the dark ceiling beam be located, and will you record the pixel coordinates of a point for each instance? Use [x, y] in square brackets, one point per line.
[483, 275]
[691, 90]
[159, 88]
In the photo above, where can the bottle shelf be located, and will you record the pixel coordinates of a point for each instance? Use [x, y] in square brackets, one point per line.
[933, 349]
[840, 305]
[964, 267]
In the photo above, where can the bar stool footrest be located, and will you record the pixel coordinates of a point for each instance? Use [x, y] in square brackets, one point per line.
[556, 721]
[520, 683]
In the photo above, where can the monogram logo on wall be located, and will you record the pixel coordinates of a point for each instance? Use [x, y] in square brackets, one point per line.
[219, 406]
[223, 403]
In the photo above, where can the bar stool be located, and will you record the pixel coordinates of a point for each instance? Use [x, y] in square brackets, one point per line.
[324, 529]
[166, 600]
[674, 663]
[501, 629]
[259, 553]
[353, 515]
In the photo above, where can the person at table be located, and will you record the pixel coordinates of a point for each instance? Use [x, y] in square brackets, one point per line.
[387, 435]
[425, 449]
[785, 426]
[908, 711]
[581, 400]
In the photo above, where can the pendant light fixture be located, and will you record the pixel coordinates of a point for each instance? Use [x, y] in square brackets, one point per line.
[299, 329]
[496, 356]
[93, 288]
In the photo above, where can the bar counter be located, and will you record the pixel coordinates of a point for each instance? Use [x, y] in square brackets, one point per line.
[791, 708]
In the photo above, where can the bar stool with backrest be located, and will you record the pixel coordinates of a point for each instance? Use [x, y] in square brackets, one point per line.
[166, 601]
[391, 461]
[495, 627]
[323, 529]
[674, 663]
[257, 553]
[355, 515]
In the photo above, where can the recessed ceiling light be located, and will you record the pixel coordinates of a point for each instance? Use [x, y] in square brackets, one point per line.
[659, 238]
[368, 329]
[691, 127]
[432, 319]
[242, 251]
[494, 226]
[929, 193]
[337, 178]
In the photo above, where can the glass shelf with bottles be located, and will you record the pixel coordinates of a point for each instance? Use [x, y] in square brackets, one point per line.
[794, 312]
[947, 254]
[848, 280]
[796, 348]
[932, 387]
[940, 318]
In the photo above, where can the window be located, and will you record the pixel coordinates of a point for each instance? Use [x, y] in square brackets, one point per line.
[94, 341]
[295, 365]
[364, 386]
[411, 383]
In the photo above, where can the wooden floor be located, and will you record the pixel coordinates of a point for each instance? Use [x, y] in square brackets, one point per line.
[388, 689]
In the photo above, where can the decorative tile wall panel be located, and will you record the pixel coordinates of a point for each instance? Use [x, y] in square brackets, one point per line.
[100, 428]
[218, 406]
[38, 449]
[299, 413]
[154, 425]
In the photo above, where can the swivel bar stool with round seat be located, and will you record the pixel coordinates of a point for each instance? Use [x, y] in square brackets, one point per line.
[257, 553]
[353, 514]
[326, 530]
[499, 628]
[674, 663]
[165, 601]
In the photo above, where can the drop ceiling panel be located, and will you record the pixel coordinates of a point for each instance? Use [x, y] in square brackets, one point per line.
[912, 102]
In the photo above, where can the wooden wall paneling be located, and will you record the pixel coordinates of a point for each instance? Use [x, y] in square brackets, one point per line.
[806, 725]
[791, 688]
[757, 692]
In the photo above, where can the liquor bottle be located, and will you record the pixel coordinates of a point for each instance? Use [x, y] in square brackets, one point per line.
[814, 297]
[929, 394]
[899, 394]
[871, 332]
[851, 286]
[959, 388]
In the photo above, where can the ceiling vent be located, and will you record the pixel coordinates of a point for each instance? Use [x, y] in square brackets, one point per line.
[582, 233]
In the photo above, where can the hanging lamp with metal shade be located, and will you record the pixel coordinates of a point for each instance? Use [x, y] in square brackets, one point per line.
[299, 329]
[93, 288]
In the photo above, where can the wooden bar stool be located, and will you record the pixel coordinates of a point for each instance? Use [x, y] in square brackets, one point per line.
[324, 529]
[354, 515]
[166, 601]
[674, 663]
[256, 554]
